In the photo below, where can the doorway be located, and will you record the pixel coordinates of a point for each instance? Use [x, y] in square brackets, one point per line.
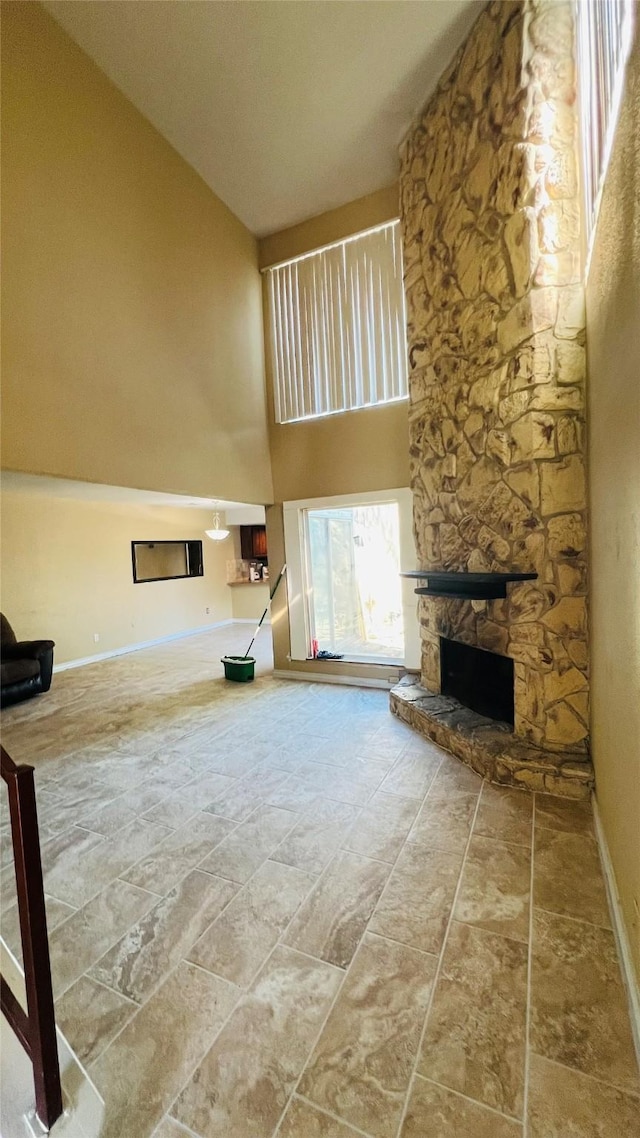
[354, 590]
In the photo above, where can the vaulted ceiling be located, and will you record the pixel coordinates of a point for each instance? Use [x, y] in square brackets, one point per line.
[286, 108]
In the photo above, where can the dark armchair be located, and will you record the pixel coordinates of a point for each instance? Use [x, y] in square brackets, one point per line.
[25, 665]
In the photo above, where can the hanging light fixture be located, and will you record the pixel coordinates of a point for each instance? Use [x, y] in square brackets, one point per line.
[218, 533]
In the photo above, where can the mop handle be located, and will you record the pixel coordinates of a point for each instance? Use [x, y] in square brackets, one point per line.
[273, 591]
[271, 596]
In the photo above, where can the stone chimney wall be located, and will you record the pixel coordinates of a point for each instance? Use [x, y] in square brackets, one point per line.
[495, 307]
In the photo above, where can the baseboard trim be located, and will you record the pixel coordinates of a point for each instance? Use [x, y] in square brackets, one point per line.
[248, 620]
[326, 678]
[79, 663]
[619, 929]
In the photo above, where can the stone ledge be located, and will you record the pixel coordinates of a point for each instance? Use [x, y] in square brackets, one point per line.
[489, 748]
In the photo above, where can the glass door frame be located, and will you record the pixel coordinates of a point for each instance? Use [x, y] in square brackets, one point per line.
[296, 537]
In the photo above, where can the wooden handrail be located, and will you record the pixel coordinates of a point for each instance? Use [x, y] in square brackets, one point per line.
[35, 1028]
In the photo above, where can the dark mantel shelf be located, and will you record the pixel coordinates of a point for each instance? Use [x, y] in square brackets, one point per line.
[470, 586]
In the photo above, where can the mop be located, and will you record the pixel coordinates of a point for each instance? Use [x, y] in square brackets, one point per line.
[242, 668]
[271, 596]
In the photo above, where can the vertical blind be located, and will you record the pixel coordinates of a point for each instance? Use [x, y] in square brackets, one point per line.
[337, 319]
[604, 33]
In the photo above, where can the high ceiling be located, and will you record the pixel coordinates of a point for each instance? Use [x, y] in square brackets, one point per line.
[286, 108]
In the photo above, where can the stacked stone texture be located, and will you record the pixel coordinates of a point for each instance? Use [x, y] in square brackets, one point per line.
[495, 307]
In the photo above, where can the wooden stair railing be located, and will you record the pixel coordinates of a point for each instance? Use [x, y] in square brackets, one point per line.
[35, 1028]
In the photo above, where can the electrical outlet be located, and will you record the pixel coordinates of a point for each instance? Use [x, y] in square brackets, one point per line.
[96, 637]
[207, 610]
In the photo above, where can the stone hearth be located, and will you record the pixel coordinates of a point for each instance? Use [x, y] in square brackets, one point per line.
[489, 748]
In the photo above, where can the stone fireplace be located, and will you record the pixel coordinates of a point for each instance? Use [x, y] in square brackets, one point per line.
[495, 309]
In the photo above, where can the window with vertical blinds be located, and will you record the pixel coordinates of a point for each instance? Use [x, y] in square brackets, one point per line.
[604, 32]
[338, 327]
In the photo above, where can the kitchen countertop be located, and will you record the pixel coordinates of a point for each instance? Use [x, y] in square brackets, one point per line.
[234, 584]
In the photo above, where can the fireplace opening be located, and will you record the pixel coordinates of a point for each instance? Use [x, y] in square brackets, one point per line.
[481, 680]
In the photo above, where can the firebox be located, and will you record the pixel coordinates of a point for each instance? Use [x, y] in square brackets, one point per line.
[481, 680]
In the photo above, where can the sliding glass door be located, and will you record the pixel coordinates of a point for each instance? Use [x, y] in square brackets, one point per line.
[354, 594]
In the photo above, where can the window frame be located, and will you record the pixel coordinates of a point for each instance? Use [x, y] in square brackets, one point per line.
[298, 578]
[283, 388]
[197, 562]
[587, 91]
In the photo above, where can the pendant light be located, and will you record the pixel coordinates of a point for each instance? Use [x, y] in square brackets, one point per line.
[218, 533]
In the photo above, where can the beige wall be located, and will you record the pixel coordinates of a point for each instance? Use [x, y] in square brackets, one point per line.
[359, 450]
[343, 454]
[132, 328]
[66, 574]
[613, 352]
[248, 602]
[334, 225]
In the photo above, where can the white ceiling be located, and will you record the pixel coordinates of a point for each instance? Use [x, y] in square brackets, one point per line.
[286, 108]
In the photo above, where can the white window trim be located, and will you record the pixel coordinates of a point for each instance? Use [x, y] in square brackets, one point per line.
[330, 245]
[297, 577]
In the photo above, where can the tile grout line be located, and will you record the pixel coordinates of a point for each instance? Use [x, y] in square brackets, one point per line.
[346, 974]
[404, 843]
[242, 885]
[501, 841]
[181, 1127]
[467, 1098]
[165, 975]
[575, 920]
[176, 884]
[117, 876]
[244, 994]
[246, 988]
[141, 1008]
[403, 944]
[156, 849]
[85, 973]
[78, 908]
[306, 819]
[318, 1035]
[527, 1034]
[101, 984]
[593, 1078]
[157, 898]
[327, 1113]
[436, 977]
[309, 956]
[167, 1113]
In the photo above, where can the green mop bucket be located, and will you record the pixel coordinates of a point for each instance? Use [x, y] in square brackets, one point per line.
[242, 668]
[239, 668]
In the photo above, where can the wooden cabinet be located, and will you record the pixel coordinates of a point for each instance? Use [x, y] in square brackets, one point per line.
[253, 543]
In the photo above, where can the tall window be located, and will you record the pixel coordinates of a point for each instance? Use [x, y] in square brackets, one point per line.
[604, 33]
[338, 337]
[344, 555]
[354, 588]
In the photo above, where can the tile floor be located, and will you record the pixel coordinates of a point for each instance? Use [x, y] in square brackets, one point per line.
[274, 910]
